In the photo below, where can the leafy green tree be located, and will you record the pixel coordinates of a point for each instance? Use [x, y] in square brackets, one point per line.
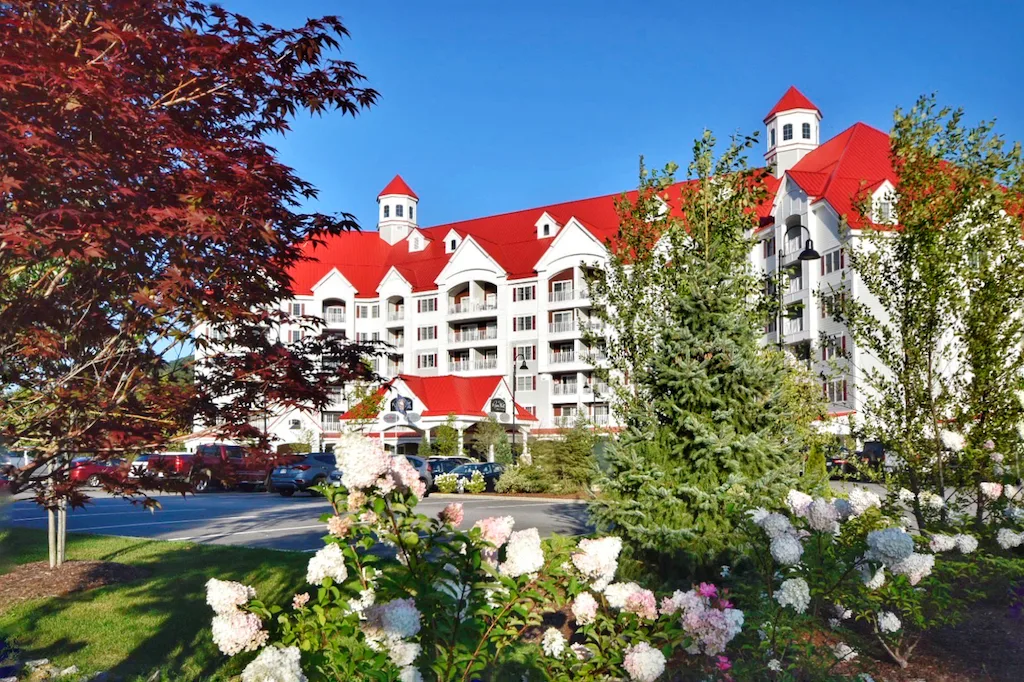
[446, 438]
[425, 449]
[491, 434]
[713, 429]
[945, 320]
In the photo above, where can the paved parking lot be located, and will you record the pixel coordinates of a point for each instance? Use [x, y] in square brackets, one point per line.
[271, 521]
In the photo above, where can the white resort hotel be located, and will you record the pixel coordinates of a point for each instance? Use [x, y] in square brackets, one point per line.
[486, 316]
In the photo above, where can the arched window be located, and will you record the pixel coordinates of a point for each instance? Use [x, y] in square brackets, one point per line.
[412, 213]
[787, 132]
[387, 210]
[773, 137]
[398, 211]
[805, 131]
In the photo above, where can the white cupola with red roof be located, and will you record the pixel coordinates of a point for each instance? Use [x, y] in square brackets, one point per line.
[396, 213]
[792, 129]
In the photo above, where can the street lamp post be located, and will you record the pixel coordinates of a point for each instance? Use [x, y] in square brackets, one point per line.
[515, 365]
[808, 254]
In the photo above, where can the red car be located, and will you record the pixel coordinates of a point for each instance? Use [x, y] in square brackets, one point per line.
[218, 464]
[92, 473]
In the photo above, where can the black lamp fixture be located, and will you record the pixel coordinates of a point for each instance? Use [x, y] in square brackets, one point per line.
[809, 253]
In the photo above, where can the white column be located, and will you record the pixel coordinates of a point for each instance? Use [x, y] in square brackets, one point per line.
[460, 430]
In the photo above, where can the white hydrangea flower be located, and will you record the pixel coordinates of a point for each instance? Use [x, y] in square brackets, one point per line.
[843, 508]
[842, 613]
[952, 440]
[822, 516]
[1020, 396]
[402, 653]
[1009, 539]
[991, 490]
[798, 502]
[966, 543]
[844, 652]
[786, 550]
[795, 593]
[889, 622]
[915, 567]
[523, 554]
[582, 652]
[366, 599]
[862, 499]
[942, 543]
[328, 562]
[775, 524]
[236, 632]
[1011, 491]
[275, 665]
[225, 596]
[584, 608]
[362, 461]
[905, 496]
[890, 545]
[757, 515]
[618, 594]
[873, 580]
[643, 663]
[775, 665]
[930, 500]
[410, 674]
[598, 560]
[834, 623]
[553, 643]
[400, 618]
[1015, 513]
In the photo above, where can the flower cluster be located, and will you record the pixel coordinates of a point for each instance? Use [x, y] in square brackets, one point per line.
[862, 499]
[598, 560]
[388, 626]
[643, 603]
[889, 622]
[495, 530]
[889, 546]
[915, 567]
[643, 663]
[991, 490]
[584, 608]
[275, 665]
[366, 465]
[709, 620]
[794, 592]
[234, 630]
[553, 643]
[1009, 539]
[328, 562]
[452, 514]
[523, 555]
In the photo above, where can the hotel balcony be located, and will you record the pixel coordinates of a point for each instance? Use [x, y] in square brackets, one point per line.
[563, 328]
[485, 363]
[331, 423]
[334, 317]
[396, 315]
[562, 357]
[472, 335]
[580, 293]
[566, 421]
[474, 308]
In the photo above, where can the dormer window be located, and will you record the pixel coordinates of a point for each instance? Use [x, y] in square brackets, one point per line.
[387, 210]
[773, 137]
[452, 245]
[398, 211]
[805, 131]
[416, 244]
[787, 132]
[884, 211]
[547, 229]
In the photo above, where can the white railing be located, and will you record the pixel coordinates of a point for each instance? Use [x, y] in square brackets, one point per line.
[601, 419]
[486, 363]
[592, 325]
[464, 335]
[396, 315]
[566, 420]
[561, 327]
[472, 307]
[793, 325]
[396, 340]
[331, 424]
[561, 295]
[334, 317]
[562, 357]
[568, 388]
[458, 365]
[396, 369]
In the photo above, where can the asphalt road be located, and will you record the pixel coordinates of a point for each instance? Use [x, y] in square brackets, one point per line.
[274, 522]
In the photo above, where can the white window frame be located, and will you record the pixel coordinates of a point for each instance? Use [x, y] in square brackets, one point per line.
[426, 361]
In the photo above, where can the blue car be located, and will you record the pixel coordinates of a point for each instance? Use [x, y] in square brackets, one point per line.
[313, 469]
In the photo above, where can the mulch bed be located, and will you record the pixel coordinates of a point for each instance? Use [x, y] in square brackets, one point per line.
[37, 580]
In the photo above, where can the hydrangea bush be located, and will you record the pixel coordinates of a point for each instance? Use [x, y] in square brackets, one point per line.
[395, 595]
[476, 483]
[446, 483]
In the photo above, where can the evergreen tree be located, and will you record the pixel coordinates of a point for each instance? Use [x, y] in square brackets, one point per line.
[716, 429]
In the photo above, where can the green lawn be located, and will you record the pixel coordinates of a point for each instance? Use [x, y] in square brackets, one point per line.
[133, 629]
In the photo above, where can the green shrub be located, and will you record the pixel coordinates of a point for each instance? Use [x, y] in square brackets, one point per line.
[476, 483]
[525, 479]
[293, 448]
[447, 483]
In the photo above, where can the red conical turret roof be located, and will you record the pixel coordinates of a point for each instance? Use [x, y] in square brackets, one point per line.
[398, 186]
[793, 99]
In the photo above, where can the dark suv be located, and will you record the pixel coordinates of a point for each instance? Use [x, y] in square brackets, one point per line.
[308, 471]
[444, 465]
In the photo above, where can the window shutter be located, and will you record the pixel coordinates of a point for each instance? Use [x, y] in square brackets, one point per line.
[844, 343]
[824, 389]
[515, 322]
[535, 383]
[823, 351]
[823, 265]
[844, 390]
[533, 352]
[842, 258]
[515, 294]
[419, 306]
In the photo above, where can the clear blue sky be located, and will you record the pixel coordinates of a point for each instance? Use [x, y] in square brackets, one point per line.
[489, 107]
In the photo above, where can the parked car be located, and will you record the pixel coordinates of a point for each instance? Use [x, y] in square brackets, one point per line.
[311, 470]
[444, 465]
[92, 472]
[489, 470]
[335, 478]
[138, 466]
[216, 464]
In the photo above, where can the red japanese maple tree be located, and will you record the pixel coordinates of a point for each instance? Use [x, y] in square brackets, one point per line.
[141, 204]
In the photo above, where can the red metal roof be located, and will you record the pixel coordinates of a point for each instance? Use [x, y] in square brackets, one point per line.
[398, 186]
[793, 99]
[854, 161]
[447, 394]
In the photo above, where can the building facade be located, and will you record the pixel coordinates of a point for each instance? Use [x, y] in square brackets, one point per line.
[480, 297]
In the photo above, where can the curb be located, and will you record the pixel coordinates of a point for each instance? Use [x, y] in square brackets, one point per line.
[463, 496]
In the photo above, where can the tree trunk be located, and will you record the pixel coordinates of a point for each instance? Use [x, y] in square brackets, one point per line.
[51, 537]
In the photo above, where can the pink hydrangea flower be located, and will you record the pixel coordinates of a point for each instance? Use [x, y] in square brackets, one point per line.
[707, 590]
[584, 608]
[643, 663]
[339, 526]
[452, 514]
[643, 604]
[300, 600]
[495, 530]
[992, 490]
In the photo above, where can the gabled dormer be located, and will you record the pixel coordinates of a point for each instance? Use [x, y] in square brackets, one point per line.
[452, 240]
[417, 241]
[547, 226]
[883, 204]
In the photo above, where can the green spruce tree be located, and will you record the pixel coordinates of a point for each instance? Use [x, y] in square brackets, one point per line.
[716, 431]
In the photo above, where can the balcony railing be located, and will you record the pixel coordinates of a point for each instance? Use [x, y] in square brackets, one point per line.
[396, 368]
[486, 363]
[472, 307]
[464, 335]
[592, 325]
[396, 315]
[793, 325]
[396, 340]
[334, 317]
[566, 420]
[561, 295]
[562, 327]
[331, 424]
[458, 365]
[601, 419]
[567, 388]
[562, 357]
